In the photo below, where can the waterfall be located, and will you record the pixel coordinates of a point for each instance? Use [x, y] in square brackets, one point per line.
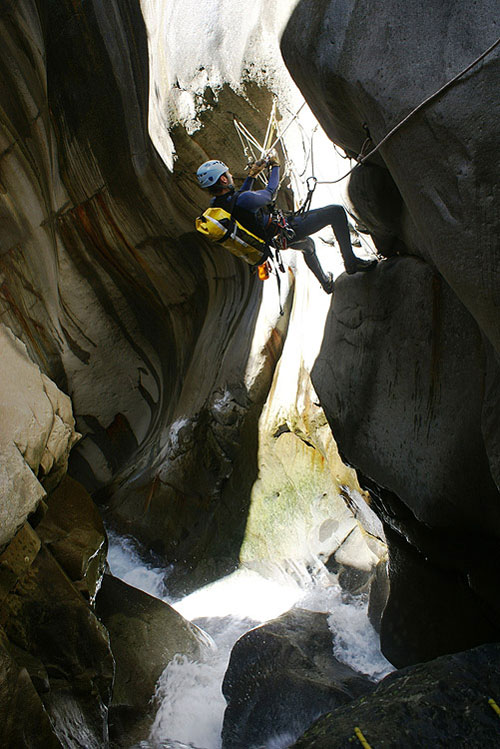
[190, 702]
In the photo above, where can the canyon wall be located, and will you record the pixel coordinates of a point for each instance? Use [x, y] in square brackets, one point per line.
[162, 349]
[408, 372]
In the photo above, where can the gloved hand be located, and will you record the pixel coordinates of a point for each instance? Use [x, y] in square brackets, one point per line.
[272, 159]
[256, 168]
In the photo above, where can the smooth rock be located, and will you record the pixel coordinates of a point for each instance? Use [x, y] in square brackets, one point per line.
[281, 676]
[145, 634]
[73, 530]
[379, 593]
[362, 66]
[404, 396]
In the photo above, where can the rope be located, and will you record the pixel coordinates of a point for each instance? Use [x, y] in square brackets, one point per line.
[362, 158]
[280, 135]
[359, 735]
[271, 126]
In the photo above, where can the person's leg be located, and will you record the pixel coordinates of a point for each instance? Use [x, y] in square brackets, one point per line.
[306, 246]
[336, 217]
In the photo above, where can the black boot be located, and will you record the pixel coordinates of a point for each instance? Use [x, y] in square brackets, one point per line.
[357, 265]
[312, 262]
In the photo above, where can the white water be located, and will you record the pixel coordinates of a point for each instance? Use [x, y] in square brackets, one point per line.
[191, 704]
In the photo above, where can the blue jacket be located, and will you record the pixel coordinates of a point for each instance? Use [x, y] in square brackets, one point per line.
[253, 207]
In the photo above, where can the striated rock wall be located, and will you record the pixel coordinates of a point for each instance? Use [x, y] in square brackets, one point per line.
[166, 346]
[408, 373]
[114, 300]
[168, 350]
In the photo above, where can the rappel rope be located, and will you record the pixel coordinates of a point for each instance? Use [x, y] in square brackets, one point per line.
[364, 154]
[362, 157]
[251, 145]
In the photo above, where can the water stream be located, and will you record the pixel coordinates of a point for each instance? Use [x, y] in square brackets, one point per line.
[191, 704]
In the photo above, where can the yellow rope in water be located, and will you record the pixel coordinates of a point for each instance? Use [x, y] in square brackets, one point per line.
[494, 705]
[364, 743]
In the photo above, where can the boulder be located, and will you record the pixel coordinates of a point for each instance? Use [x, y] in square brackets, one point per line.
[281, 676]
[402, 392]
[408, 373]
[54, 636]
[36, 435]
[444, 702]
[363, 67]
[145, 634]
[73, 530]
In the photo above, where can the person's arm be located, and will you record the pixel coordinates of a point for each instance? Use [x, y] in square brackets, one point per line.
[257, 198]
[247, 184]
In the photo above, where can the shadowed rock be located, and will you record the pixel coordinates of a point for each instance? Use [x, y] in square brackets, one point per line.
[408, 373]
[145, 635]
[54, 635]
[280, 677]
[440, 703]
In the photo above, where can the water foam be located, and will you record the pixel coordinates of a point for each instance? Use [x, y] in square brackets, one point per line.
[188, 694]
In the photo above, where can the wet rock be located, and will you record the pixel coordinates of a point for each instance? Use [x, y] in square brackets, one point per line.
[24, 721]
[65, 650]
[280, 677]
[430, 609]
[379, 593]
[74, 532]
[416, 402]
[440, 703]
[145, 634]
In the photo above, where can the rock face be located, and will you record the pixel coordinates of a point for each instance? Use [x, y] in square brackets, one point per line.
[36, 435]
[441, 703]
[281, 677]
[168, 347]
[55, 653]
[73, 530]
[408, 372]
[145, 635]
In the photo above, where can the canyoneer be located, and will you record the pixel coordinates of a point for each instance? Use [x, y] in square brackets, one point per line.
[247, 223]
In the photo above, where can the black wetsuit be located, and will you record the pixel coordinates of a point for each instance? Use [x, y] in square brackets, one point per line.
[253, 210]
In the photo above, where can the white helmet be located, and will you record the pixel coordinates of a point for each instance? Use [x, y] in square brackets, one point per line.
[209, 172]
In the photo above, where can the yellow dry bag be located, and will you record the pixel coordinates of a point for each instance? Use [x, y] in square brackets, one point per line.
[219, 226]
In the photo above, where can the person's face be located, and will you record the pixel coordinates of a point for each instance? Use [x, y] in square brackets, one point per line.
[227, 179]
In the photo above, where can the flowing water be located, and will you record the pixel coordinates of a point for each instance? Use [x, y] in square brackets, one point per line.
[191, 704]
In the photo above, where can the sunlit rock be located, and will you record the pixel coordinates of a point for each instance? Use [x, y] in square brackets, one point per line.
[36, 434]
